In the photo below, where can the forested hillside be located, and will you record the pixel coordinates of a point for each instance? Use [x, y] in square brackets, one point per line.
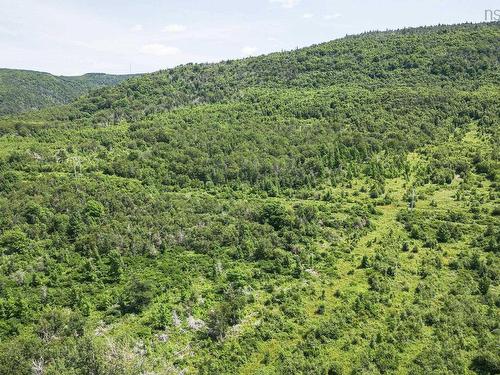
[24, 90]
[329, 210]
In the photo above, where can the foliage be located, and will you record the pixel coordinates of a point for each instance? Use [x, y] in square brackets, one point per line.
[328, 210]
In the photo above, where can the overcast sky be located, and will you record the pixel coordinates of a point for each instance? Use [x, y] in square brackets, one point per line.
[72, 37]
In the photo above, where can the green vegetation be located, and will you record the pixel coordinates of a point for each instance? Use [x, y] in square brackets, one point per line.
[24, 90]
[330, 210]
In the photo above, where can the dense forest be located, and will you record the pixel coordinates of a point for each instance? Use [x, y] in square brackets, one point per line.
[25, 90]
[329, 210]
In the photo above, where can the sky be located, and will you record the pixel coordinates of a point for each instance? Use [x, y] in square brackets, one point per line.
[74, 37]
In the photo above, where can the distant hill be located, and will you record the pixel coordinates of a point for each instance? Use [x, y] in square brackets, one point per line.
[25, 90]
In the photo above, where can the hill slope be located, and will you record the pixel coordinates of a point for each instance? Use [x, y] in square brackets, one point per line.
[463, 56]
[24, 90]
[330, 210]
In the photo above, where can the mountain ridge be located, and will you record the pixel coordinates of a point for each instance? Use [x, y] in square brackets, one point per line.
[26, 90]
[346, 61]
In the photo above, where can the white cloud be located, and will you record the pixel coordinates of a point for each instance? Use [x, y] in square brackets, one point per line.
[6, 31]
[137, 28]
[308, 15]
[332, 16]
[174, 28]
[286, 3]
[248, 51]
[159, 50]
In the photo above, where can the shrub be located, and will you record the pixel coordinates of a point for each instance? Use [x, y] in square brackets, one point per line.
[276, 215]
[136, 296]
[13, 241]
